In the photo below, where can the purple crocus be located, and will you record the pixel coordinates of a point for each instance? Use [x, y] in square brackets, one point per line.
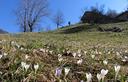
[58, 72]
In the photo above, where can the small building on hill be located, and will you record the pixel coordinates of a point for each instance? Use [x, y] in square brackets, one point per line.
[94, 17]
[123, 16]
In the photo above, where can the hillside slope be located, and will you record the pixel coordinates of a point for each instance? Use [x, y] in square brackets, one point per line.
[2, 31]
[65, 55]
[123, 26]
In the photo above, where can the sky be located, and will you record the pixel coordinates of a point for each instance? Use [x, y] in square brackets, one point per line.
[71, 9]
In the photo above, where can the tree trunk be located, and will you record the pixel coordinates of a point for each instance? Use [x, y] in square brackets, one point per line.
[57, 26]
[31, 29]
[24, 29]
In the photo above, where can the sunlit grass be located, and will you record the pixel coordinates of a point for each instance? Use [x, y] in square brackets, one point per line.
[33, 57]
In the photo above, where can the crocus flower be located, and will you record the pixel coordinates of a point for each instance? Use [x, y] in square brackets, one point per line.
[117, 69]
[96, 52]
[36, 67]
[100, 53]
[58, 72]
[105, 62]
[79, 62]
[23, 64]
[98, 77]
[79, 55]
[93, 56]
[42, 50]
[66, 70]
[74, 55]
[21, 48]
[125, 51]
[124, 60]
[1, 72]
[118, 55]
[103, 73]
[85, 52]
[79, 51]
[1, 56]
[59, 55]
[68, 52]
[0, 42]
[26, 56]
[109, 52]
[5, 54]
[26, 67]
[126, 57]
[46, 50]
[60, 59]
[51, 52]
[89, 77]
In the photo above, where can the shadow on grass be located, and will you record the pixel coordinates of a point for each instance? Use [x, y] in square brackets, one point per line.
[80, 28]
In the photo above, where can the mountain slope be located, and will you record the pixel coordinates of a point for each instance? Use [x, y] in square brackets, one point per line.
[2, 31]
[123, 26]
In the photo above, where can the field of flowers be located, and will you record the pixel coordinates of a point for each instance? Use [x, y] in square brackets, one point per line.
[52, 57]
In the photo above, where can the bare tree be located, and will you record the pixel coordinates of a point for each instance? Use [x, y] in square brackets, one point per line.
[111, 13]
[30, 13]
[98, 9]
[58, 19]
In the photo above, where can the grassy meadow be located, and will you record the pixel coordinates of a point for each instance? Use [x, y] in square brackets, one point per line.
[77, 53]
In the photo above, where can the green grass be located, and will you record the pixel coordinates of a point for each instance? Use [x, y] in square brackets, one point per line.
[77, 37]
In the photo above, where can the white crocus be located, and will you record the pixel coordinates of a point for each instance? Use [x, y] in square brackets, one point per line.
[46, 50]
[0, 42]
[79, 55]
[109, 52]
[27, 66]
[118, 55]
[36, 67]
[1, 72]
[126, 57]
[79, 51]
[66, 71]
[42, 50]
[105, 62]
[85, 52]
[23, 64]
[96, 52]
[103, 73]
[74, 55]
[68, 52]
[51, 52]
[98, 77]
[5, 54]
[59, 55]
[100, 53]
[1, 56]
[60, 59]
[26, 56]
[17, 45]
[125, 51]
[117, 69]
[21, 48]
[93, 56]
[79, 62]
[89, 77]
[124, 60]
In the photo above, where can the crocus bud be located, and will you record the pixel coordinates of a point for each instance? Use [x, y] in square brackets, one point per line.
[66, 70]
[89, 77]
